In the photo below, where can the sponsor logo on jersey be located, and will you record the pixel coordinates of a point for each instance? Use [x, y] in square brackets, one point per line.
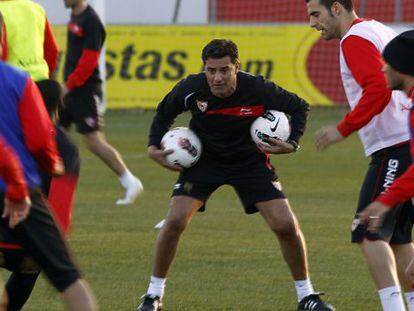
[391, 173]
[202, 105]
[246, 111]
[76, 29]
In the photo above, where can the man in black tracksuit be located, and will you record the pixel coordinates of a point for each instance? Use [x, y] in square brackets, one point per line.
[224, 102]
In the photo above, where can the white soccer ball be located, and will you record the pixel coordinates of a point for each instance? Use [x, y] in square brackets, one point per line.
[185, 144]
[273, 123]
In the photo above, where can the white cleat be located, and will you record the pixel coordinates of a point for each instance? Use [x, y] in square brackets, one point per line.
[132, 192]
[160, 224]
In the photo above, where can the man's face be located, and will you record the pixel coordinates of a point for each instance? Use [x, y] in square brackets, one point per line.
[394, 79]
[221, 76]
[323, 20]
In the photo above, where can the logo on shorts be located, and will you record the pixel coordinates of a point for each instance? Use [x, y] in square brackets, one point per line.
[277, 185]
[90, 121]
[188, 186]
[355, 224]
[177, 186]
[202, 105]
[391, 173]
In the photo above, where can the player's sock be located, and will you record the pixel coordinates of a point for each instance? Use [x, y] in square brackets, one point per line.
[391, 299]
[409, 298]
[156, 286]
[133, 188]
[303, 288]
[126, 179]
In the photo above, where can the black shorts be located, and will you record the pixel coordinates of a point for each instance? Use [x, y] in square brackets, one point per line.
[385, 166]
[81, 107]
[253, 182]
[41, 241]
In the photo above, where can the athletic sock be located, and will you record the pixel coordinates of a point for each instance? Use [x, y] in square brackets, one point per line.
[409, 298]
[303, 288]
[127, 178]
[391, 299]
[156, 286]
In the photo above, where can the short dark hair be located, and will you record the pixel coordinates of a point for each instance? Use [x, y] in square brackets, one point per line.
[347, 4]
[219, 48]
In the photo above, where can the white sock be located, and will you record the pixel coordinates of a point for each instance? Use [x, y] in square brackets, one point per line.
[126, 178]
[156, 286]
[303, 288]
[391, 299]
[409, 298]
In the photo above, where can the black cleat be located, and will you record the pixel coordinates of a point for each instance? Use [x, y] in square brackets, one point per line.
[150, 303]
[314, 303]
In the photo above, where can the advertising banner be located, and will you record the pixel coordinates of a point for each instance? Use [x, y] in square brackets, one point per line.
[143, 63]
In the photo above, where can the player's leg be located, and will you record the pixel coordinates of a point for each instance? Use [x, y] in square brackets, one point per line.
[84, 109]
[281, 220]
[374, 246]
[41, 239]
[403, 249]
[19, 287]
[181, 211]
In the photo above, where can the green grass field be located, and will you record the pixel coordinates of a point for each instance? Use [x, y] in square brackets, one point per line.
[227, 260]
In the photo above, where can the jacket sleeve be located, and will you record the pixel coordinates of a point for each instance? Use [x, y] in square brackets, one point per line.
[94, 39]
[39, 133]
[172, 105]
[12, 173]
[277, 98]
[365, 62]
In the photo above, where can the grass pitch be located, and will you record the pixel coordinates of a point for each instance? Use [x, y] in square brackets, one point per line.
[226, 260]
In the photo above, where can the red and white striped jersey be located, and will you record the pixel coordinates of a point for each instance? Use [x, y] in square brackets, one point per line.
[379, 115]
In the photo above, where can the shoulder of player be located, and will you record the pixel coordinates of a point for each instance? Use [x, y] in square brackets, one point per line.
[194, 82]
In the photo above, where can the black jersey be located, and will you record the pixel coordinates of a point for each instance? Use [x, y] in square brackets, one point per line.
[223, 124]
[85, 32]
[69, 153]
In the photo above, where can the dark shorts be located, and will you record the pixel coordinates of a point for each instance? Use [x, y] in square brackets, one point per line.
[386, 165]
[81, 107]
[42, 243]
[254, 182]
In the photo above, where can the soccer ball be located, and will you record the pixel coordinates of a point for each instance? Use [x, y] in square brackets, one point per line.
[273, 123]
[185, 144]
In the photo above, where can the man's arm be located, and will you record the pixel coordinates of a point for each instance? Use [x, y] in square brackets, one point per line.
[365, 62]
[17, 202]
[90, 55]
[38, 130]
[282, 100]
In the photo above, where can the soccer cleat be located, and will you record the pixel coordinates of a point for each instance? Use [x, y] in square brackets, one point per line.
[150, 303]
[314, 303]
[133, 190]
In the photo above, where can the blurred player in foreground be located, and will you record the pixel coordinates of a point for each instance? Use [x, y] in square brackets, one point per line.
[399, 70]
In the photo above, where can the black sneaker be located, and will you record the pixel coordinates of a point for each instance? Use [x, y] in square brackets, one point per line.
[314, 303]
[150, 303]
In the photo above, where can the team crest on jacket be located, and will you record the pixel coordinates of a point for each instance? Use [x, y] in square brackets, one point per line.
[202, 105]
